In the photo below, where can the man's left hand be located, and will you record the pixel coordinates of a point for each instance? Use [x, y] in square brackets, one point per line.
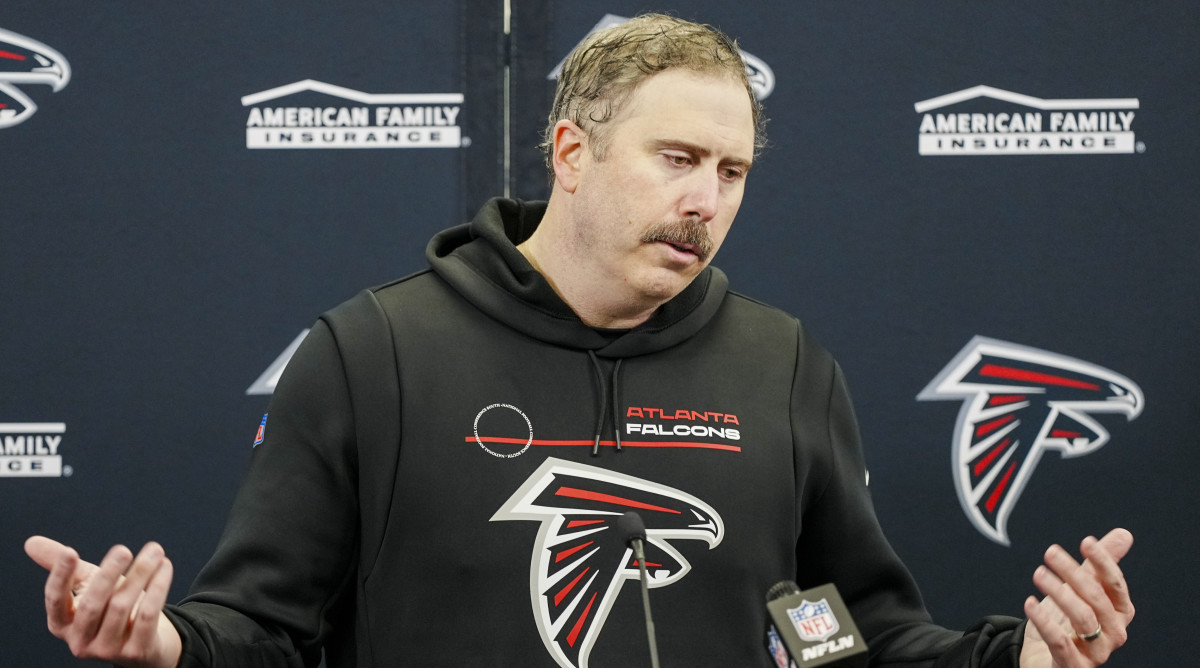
[1086, 610]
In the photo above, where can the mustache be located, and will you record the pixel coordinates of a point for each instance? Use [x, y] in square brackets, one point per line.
[687, 232]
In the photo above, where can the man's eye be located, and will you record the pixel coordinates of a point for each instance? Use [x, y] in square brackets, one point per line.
[678, 159]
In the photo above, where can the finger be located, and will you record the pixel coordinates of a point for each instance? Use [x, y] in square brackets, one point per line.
[114, 628]
[1044, 616]
[1096, 640]
[1059, 638]
[139, 574]
[1117, 543]
[1103, 560]
[1112, 582]
[1049, 615]
[60, 603]
[146, 617]
[92, 603]
[1074, 589]
[1101, 585]
[44, 551]
[1108, 573]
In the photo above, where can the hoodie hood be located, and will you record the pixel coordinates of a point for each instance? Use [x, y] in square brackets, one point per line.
[481, 262]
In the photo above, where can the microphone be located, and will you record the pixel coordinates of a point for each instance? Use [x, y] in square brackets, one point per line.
[811, 628]
[633, 531]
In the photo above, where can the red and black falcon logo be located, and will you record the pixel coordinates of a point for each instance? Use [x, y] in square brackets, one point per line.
[26, 61]
[579, 558]
[1019, 402]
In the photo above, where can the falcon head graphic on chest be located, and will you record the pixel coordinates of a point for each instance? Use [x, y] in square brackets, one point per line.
[26, 61]
[1019, 402]
[580, 560]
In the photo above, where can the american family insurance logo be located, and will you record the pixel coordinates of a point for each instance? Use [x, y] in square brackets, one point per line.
[312, 114]
[31, 450]
[989, 121]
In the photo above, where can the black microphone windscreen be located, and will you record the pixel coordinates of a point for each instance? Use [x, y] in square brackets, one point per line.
[781, 589]
[631, 526]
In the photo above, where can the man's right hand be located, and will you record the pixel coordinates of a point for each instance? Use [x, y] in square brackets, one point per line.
[112, 612]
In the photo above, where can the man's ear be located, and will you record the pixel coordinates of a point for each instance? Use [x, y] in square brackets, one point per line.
[570, 142]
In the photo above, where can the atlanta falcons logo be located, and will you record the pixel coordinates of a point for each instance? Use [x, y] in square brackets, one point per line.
[24, 61]
[1019, 402]
[580, 561]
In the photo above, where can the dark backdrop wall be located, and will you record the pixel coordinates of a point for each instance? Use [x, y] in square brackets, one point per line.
[1020, 171]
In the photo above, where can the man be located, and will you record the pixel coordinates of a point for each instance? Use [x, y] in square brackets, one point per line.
[446, 454]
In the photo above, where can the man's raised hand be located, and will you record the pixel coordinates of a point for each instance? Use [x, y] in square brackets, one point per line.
[111, 611]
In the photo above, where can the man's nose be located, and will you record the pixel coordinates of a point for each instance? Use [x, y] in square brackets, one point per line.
[702, 195]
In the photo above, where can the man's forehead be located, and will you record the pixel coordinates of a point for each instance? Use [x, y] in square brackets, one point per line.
[672, 106]
[679, 79]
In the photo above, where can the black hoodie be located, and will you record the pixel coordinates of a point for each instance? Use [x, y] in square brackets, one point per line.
[445, 457]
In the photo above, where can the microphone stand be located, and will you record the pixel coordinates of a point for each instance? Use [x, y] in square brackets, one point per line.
[640, 555]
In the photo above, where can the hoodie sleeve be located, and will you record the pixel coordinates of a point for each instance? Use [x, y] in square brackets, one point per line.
[286, 559]
[840, 540]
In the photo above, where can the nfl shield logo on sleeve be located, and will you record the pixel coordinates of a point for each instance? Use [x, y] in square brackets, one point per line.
[262, 431]
[814, 622]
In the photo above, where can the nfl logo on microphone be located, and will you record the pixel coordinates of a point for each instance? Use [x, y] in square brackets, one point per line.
[814, 622]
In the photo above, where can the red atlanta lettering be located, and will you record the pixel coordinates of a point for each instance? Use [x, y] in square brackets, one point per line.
[680, 414]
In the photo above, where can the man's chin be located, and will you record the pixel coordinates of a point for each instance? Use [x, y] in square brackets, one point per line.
[665, 284]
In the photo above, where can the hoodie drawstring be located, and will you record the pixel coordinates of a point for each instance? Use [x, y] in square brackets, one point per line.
[616, 405]
[598, 377]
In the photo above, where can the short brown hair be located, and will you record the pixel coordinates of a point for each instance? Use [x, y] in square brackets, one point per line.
[598, 77]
